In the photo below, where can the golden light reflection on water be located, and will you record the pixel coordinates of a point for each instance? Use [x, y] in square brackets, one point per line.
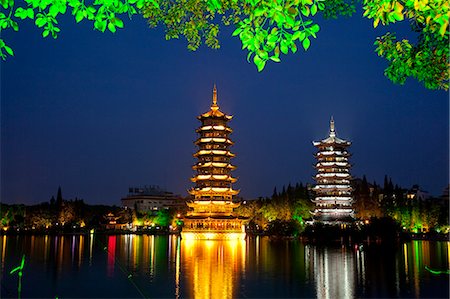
[3, 251]
[213, 267]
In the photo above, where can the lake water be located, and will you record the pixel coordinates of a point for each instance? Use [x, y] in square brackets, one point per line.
[137, 266]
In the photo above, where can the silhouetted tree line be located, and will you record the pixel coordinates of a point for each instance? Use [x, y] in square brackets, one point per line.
[58, 214]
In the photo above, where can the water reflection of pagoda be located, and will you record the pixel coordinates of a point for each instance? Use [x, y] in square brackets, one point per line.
[333, 190]
[211, 215]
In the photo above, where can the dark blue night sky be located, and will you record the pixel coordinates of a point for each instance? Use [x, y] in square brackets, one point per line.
[96, 113]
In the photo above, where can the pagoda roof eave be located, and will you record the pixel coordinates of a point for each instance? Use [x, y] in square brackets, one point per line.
[215, 113]
[332, 140]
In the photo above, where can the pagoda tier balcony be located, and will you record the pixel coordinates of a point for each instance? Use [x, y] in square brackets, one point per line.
[336, 210]
[214, 134]
[220, 128]
[332, 148]
[214, 177]
[214, 170]
[214, 140]
[333, 192]
[213, 165]
[332, 159]
[332, 187]
[212, 184]
[213, 191]
[335, 153]
[333, 164]
[333, 198]
[333, 176]
[343, 170]
[332, 203]
[331, 180]
[214, 152]
[214, 146]
[212, 205]
[338, 183]
[332, 143]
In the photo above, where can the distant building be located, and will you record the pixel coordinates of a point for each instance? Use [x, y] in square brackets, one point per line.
[333, 191]
[151, 198]
[415, 193]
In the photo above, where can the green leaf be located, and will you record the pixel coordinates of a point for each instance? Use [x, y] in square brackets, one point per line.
[279, 18]
[293, 48]
[315, 28]
[9, 50]
[19, 13]
[111, 27]
[30, 13]
[263, 54]
[117, 22]
[305, 11]
[40, 22]
[306, 43]
[274, 58]
[249, 55]
[45, 33]
[302, 35]
[54, 10]
[237, 31]
[277, 51]
[260, 63]
[284, 47]
[15, 26]
[398, 15]
[259, 11]
[79, 16]
[313, 9]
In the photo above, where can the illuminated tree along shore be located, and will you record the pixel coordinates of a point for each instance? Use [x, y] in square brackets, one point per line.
[267, 29]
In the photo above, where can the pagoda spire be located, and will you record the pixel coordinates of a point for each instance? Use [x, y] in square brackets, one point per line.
[332, 131]
[214, 101]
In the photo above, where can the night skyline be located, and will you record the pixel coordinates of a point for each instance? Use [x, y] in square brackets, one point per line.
[97, 113]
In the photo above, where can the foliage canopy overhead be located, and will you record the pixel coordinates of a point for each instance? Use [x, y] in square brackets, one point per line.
[266, 28]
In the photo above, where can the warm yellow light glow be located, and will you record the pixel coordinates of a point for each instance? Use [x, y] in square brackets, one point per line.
[214, 152]
[217, 128]
[215, 164]
[212, 236]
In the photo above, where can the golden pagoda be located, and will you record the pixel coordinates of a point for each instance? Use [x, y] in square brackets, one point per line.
[211, 215]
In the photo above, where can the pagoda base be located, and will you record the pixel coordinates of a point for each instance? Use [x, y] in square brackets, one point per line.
[213, 228]
[212, 235]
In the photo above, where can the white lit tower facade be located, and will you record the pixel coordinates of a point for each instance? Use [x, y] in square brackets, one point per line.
[333, 192]
[211, 215]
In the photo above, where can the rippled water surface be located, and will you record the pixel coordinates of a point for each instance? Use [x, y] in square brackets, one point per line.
[134, 266]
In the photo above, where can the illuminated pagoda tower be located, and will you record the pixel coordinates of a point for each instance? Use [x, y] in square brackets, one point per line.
[211, 215]
[333, 192]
